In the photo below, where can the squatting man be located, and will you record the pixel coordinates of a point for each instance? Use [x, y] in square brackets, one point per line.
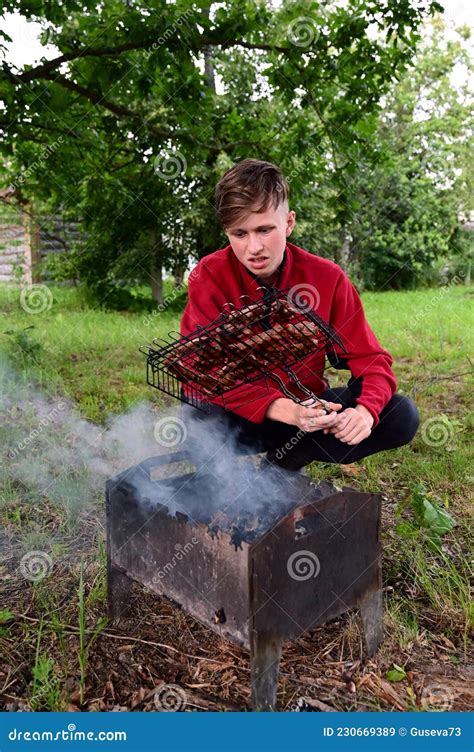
[367, 415]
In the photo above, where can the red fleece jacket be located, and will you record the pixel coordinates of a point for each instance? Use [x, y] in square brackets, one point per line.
[220, 278]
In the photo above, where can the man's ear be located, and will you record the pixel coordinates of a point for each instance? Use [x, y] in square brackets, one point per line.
[290, 222]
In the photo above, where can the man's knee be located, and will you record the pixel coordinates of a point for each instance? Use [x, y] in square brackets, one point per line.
[403, 415]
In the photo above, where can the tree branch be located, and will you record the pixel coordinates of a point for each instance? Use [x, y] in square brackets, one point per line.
[70, 132]
[92, 96]
[224, 43]
[121, 111]
[42, 71]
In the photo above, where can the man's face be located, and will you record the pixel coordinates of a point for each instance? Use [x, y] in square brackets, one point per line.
[258, 240]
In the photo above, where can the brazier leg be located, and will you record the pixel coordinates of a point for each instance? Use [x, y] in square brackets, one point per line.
[371, 611]
[265, 652]
[118, 593]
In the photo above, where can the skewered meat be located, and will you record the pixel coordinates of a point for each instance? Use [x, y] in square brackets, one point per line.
[186, 376]
[233, 349]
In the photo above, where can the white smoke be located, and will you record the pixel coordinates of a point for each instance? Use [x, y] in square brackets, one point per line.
[53, 452]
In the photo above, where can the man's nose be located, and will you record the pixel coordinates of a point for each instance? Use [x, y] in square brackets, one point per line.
[254, 243]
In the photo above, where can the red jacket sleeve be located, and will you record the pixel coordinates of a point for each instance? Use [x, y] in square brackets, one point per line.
[365, 357]
[205, 303]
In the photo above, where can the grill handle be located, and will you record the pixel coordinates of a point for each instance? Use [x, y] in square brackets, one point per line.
[309, 394]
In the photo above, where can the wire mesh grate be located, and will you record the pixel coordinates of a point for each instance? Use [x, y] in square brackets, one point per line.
[241, 346]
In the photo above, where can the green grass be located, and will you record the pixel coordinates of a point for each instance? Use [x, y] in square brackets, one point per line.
[92, 358]
[92, 355]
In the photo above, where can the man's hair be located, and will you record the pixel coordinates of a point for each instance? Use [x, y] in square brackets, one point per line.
[249, 186]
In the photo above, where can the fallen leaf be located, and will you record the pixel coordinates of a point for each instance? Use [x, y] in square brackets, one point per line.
[445, 641]
[352, 470]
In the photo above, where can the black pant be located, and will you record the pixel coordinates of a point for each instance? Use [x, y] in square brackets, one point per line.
[292, 448]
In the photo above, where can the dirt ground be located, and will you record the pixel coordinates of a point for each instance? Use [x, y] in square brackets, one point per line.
[157, 645]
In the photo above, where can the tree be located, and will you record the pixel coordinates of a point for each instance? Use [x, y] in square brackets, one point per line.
[406, 230]
[124, 130]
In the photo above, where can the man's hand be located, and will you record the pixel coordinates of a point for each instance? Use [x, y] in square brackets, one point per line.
[314, 418]
[353, 425]
[306, 417]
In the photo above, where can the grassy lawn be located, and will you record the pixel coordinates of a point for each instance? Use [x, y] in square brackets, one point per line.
[58, 649]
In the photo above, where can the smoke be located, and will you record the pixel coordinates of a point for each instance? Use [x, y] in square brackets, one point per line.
[53, 452]
[233, 488]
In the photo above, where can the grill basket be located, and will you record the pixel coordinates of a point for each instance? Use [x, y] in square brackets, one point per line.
[250, 344]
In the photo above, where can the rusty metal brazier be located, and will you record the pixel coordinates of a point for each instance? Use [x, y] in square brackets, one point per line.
[311, 553]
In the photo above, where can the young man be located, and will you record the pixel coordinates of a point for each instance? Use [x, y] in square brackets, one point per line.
[367, 416]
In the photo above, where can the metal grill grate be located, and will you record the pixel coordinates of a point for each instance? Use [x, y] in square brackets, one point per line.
[243, 345]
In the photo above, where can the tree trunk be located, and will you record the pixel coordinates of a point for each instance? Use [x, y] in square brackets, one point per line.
[156, 268]
[178, 276]
[467, 278]
[345, 253]
[208, 61]
[32, 246]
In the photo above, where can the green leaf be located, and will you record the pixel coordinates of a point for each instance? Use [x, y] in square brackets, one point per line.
[6, 615]
[396, 674]
[437, 519]
[430, 513]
